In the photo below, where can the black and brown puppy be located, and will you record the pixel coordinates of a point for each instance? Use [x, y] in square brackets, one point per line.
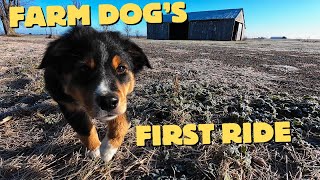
[90, 74]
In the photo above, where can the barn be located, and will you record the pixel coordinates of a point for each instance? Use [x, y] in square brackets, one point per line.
[219, 25]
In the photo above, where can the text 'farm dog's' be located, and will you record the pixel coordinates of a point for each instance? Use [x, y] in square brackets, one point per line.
[90, 74]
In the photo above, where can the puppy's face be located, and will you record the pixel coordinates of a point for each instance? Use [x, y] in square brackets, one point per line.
[96, 69]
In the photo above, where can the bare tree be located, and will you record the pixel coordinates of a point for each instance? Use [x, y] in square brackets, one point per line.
[127, 30]
[78, 4]
[51, 32]
[137, 33]
[107, 28]
[4, 15]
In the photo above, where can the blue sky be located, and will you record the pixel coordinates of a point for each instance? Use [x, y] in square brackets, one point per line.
[291, 18]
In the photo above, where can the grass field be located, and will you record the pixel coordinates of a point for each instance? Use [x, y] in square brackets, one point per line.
[192, 82]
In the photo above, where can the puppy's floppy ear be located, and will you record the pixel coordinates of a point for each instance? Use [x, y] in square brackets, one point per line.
[139, 59]
[53, 54]
[70, 47]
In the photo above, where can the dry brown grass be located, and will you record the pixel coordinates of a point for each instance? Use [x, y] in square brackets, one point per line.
[192, 82]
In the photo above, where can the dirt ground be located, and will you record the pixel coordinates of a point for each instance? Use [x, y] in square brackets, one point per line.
[191, 82]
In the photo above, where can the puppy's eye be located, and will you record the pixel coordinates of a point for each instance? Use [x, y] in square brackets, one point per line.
[121, 69]
[84, 68]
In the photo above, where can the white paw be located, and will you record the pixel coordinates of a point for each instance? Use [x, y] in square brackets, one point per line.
[95, 153]
[107, 151]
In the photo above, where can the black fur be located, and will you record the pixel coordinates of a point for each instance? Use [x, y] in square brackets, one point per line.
[66, 56]
[81, 42]
[79, 120]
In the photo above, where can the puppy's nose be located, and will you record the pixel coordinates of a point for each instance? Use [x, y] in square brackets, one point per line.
[108, 102]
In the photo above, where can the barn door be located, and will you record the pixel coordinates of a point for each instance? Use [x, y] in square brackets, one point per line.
[239, 33]
[179, 31]
[235, 31]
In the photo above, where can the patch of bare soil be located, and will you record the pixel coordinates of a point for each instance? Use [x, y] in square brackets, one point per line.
[192, 82]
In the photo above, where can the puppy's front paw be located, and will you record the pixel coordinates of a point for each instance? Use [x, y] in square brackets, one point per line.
[107, 151]
[95, 153]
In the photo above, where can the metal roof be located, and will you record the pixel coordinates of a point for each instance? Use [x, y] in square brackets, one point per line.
[208, 15]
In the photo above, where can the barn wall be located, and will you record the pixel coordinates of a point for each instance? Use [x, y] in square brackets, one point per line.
[158, 31]
[240, 17]
[220, 30]
[243, 32]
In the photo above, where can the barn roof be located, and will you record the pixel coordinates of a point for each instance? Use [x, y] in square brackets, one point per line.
[208, 15]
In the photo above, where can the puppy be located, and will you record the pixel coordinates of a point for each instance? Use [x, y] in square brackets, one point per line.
[89, 74]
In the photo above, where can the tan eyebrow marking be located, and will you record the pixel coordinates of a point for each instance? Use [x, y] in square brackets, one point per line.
[116, 61]
[90, 63]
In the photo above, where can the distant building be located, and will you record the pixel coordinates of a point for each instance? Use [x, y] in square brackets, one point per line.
[279, 37]
[220, 25]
